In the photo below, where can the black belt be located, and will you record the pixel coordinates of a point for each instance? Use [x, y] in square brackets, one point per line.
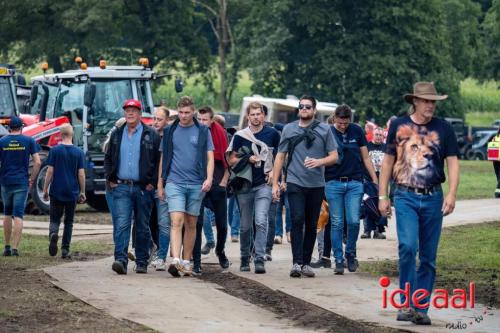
[425, 190]
[347, 179]
[127, 182]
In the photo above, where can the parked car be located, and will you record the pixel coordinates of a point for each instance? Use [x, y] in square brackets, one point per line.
[496, 123]
[479, 147]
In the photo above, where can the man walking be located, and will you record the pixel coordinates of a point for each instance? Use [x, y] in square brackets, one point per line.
[187, 166]
[344, 187]
[15, 152]
[66, 178]
[260, 141]
[372, 222]
[310, 146]
[216, 198]
[417, 146]
[131, 163]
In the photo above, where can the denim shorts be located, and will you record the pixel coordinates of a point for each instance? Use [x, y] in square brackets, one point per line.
[14, 200]
[184, 198]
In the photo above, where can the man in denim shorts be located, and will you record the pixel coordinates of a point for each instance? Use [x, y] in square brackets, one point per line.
[187, 166]
[15, 151]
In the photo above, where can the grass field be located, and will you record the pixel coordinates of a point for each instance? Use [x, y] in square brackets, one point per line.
[34, 252]
[477, 180]
[456, 265]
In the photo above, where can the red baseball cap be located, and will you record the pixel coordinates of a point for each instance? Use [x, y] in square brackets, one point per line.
[132, 103]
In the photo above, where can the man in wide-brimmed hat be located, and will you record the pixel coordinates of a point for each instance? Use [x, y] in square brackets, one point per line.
[417, 146]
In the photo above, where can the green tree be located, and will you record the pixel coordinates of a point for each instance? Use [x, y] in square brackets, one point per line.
[491, 27]
[363, 53]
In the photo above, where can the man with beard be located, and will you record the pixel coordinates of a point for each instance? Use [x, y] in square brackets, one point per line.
[261, 141]
[310, 146]
[417, 146]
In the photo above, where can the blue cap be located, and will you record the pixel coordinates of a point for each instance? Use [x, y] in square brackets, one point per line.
[16, 123]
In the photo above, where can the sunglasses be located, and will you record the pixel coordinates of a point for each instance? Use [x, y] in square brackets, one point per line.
[305, 106]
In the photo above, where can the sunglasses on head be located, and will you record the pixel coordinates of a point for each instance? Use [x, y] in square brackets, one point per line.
[305, 106]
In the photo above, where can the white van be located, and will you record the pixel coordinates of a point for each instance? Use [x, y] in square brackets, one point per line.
[282, 110]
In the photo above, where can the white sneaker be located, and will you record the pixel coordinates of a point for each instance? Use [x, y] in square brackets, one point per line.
[159, 264]
[186, 268]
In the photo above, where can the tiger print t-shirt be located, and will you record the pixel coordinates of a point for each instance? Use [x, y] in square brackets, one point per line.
[420, 151]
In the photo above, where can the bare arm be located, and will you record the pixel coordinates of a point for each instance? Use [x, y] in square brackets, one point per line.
[159, 185]
[453, 179]
[207, 184]
[81, 180]
[367, 161]
[332, 158]
[225, 178]
[384, 204]
[233, 158]
[48, 179]
[36, 168]
[278, 166]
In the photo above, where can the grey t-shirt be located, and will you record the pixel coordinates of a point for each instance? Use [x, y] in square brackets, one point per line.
[324, 143]
[184, 168]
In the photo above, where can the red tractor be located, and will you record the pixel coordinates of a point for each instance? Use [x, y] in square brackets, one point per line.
[90, 99]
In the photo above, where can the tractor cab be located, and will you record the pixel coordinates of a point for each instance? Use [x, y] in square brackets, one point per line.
[8, 101]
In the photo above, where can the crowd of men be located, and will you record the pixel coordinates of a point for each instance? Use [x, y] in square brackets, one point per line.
[166, 182]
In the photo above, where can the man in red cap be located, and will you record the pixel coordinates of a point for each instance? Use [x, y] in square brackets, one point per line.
[417, 146]
[131, 164]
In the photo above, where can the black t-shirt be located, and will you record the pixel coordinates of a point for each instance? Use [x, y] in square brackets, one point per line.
[420, 151]
[271, 138]
[351, 164]
[376, 152]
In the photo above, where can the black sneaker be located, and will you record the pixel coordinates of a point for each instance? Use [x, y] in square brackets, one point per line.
[196, 270]
[405, 314]
[421, 318]
[15, 253]
[207, 247]
[296, 271]
[245, 265]
[65, 254]
[119, 267]
[141, 269]
[268, 257]
[259, 266]
[53, 238]
[339, 268]
[352, 263]
[223, 261]
[7, 252]
[367, 234]
[322, 262]
[378, 235]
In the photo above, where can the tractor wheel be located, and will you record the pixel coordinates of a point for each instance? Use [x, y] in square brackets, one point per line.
[36, 205]
[97, 201]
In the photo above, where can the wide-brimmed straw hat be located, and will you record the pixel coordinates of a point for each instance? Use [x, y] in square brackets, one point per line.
[424, 90]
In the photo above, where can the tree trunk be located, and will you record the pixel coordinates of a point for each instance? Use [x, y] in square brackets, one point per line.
[222, 27]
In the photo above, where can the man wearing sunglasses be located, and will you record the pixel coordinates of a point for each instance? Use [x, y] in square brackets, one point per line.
[308, 146]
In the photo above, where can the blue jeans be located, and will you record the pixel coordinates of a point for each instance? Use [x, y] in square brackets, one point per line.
[14, 200]
[344, 196]
[109, 201]
[418, 221]
[279, 216]
[254, 205]
[128, 200]
[184, 198]
[233, 216]
[163, 227]
[208, 221]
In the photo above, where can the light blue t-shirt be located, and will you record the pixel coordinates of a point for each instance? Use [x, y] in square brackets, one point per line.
[184, 169]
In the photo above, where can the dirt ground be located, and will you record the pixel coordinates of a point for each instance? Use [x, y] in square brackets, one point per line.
[83, 214]
[29, 302]
[304, 314]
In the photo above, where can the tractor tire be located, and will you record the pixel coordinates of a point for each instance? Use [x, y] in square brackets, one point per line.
[97, 201]
[36, 205]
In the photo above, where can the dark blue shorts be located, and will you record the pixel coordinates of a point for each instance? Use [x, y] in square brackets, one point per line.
[14, 200]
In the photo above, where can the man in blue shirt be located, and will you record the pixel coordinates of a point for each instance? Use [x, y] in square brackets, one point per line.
[187, 166]
[15, 151]
[66, 177]
[131, 164]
